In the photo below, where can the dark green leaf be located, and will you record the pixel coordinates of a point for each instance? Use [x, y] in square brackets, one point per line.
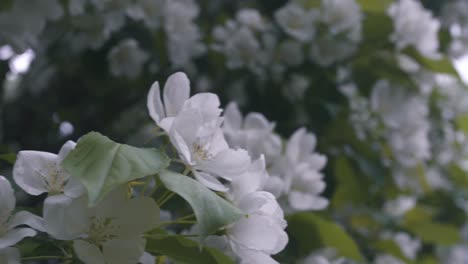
[102, 164]
[310, 232]
[9, 157]
[436, 233]
[184, 250]
[377, 6]
[212, 212]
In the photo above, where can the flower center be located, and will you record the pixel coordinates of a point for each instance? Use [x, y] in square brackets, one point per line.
[101, 230]
[201, 152]
[55, 179]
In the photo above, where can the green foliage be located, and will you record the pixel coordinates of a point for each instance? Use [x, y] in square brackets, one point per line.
[212, 212]
[184, 250]
[310, 232]
[102, 164]
[436, 233]
[9, 157]
[441, 65]
[349, 185]
[374, 6]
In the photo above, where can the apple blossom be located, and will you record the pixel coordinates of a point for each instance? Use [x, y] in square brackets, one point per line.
[37, 172]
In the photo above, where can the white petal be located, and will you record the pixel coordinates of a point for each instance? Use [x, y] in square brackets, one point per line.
[300, 145]
[176, 92]
[27, 218]
[251, 256]
[206, 103]
[10, 255]
[154, 103]
[261, 203]
[66, 148]
[137, 216]
[88, 253]
[217, 143]
[147, 258]
[227, 164]
[73, 188]
[257, 121]
[210, 182]
[258, 232]
[31, 168]
[305, 201]
[251, 180]
[127, 251]
[182, 147]
[274, 185]
[232, 117]
[66, 218]
[7, 198]
[14, 236]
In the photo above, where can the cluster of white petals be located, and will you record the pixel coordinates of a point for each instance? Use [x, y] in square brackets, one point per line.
[294, 168]
[110, 232]
[10, 233]
[194, 128]
[414, 26]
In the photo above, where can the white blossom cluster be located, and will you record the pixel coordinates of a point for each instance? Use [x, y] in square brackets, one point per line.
[414, 26]
[211, 147]
[342, 20]
[294, 166]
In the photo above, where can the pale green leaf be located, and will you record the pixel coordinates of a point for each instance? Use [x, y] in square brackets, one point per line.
[212, 212]
[101, 164]
[310, 232]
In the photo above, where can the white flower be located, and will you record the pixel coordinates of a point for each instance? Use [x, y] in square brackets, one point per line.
[183, 35]
[202, 146]
[10, 255]
[251, 18]
[253, 133]
[414, 26]
[253, 238]
[238, 43]
[109, 233]
[193, 125]
[299, 170]
[38, 172]
[409, 246]
[176, 92]
[387, 259]
[149, 11]
[127, 59]
[297, 22]
[342, 15]
[9, 235]
[399, 206]
[324, 256]
[328, 49]
[405, 117]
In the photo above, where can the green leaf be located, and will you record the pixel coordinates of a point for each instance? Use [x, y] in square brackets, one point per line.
[184, 250]
[376, 29]
[378, 6]
[442, 65]
[102, 164]
[310, 232]
[349, 184]
[9, 157]
[212, 212]
[436, 233]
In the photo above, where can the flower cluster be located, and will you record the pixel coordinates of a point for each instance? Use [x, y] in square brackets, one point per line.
[242, 160]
